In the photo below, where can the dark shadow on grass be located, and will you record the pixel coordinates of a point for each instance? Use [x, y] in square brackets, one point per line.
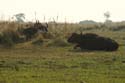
[85, 50]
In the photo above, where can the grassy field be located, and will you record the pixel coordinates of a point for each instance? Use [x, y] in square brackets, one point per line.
[27, 63]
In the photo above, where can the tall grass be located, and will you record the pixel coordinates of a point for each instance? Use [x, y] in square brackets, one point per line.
[10, 31]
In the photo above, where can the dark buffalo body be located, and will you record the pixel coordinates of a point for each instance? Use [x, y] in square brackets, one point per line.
[32, 30]
[29, 32]
[41, 27]
[92, 41]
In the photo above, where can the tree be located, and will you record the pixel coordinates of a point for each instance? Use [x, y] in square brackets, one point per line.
[20, 17]
[107, 15]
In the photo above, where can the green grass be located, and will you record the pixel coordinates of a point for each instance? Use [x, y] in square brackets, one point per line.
[61, 65]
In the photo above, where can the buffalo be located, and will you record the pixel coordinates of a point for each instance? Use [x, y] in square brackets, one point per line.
[32, 30]
[91, 41]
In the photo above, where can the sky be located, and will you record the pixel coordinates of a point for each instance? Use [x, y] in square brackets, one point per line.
[63, 10]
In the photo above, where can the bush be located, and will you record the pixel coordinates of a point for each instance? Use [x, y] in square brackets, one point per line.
[6, 41]
[9, 38]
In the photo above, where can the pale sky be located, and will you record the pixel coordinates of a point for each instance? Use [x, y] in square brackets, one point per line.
[69, 10]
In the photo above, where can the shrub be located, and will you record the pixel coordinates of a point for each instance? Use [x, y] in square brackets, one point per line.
[6, 41]
[9, 38]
